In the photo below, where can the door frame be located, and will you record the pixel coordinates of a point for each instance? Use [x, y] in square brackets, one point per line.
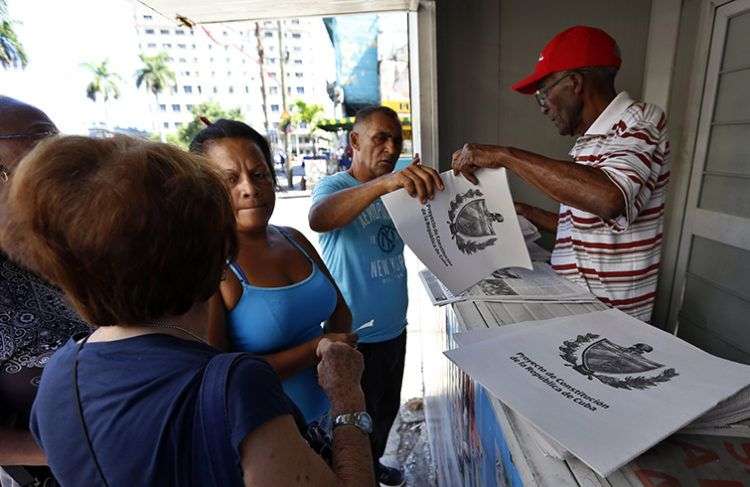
[715, 15]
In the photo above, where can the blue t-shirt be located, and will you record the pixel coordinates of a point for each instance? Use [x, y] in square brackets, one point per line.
[139, 399]
[366, 258]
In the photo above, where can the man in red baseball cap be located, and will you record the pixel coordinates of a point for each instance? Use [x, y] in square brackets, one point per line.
[611, 194]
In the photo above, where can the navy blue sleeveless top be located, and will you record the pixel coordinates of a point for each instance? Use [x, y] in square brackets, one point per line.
[270, 319]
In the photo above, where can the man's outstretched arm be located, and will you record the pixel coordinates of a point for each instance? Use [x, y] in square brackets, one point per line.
[584, 187]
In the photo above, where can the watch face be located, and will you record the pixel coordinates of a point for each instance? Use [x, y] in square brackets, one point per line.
[364, 421]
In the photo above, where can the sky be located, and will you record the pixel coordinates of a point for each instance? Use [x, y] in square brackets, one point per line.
[59, 36]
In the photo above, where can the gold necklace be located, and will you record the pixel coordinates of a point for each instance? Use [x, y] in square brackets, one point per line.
[174, 327]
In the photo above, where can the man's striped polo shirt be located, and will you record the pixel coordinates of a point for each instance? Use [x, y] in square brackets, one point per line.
[618, 260]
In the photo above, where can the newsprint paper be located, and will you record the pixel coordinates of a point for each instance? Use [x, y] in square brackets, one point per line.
[604, 386]
[513, 284]
[465, 232]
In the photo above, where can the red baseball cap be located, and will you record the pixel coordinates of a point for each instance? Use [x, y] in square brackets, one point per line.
[573, 48]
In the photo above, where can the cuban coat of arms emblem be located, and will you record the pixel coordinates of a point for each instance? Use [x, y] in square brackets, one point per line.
[471, 222]
[617, 366]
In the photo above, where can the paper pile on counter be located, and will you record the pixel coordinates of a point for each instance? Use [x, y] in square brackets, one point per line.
[603, 386]
[515, 284]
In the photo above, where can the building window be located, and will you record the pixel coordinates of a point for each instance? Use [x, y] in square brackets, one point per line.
[288, 90]
[194, 46]
[163, 108]
[200, 89]
[179, 32]
[182, 46]
[300, 90]
[271, 60]
[189, 108]
[303, 125]
[228, 61]
[147, 17]
[164, 31]
[229, 73]
[186, 73]
[274, 90]
[297, 48]
[175, 108]
[298, 75]
[183, 60]
[149, 31]
[178, 124]
[272, 75]
[167, 45]
[268, 33]
[296, 35]
[247, 89]
[166, 125]
[187, 89]
[174, 90]
[211, 60]
[151, 44]
[274, 108]
[231, 89]
[210, 46]
[295, 21]
[276, 125]
[243, 61]
[297, 61]
[224, 33]
[216, 90]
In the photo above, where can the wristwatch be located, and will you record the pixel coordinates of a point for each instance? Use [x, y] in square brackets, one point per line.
[361, 420]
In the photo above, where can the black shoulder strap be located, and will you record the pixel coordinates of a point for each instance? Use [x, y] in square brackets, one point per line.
[79, 409]
[213, 419]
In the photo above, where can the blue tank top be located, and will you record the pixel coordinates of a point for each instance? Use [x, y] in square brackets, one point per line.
[271, 319]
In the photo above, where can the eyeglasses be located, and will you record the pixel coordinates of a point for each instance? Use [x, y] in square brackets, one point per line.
[29, 135]
[40, 134]
[541, 94]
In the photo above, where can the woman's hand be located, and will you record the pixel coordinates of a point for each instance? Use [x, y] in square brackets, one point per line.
[339, 374]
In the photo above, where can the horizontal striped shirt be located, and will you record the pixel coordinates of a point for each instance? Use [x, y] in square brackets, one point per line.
[618, 260]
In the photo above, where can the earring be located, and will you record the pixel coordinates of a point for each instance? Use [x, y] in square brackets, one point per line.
[4, 174]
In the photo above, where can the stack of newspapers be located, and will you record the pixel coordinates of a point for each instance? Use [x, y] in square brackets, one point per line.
[514, 284]
[603, 386]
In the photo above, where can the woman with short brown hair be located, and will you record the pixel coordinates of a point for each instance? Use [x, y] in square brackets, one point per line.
[137, 234]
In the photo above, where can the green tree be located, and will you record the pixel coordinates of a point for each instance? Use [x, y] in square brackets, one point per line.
[155, 74]
[210, 110]
[103, 85]
[305, 113]
[11, 49]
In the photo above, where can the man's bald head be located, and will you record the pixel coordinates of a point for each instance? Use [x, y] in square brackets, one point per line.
[21, 127]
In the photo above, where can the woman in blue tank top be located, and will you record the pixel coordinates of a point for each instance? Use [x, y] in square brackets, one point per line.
[278, 292]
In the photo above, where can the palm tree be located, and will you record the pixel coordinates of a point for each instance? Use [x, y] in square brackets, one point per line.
[103, 85]
[155, 74]
[11, 50]
[309, 114]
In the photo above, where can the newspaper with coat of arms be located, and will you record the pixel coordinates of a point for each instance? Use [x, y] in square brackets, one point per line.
[465, 232]
[603, 386]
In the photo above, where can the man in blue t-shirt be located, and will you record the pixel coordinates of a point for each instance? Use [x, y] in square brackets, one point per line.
[365, 255]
